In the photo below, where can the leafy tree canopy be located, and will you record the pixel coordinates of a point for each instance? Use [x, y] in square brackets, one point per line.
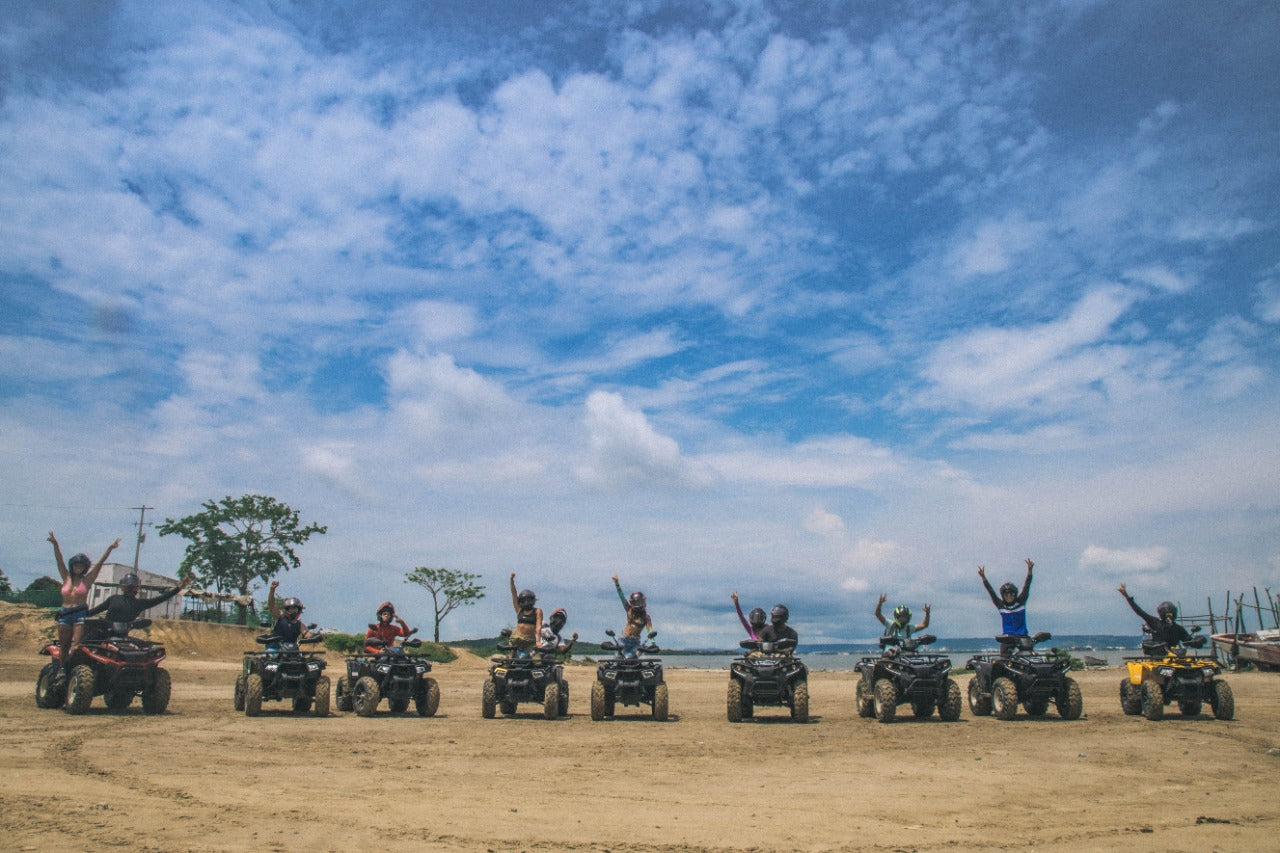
[449, 590]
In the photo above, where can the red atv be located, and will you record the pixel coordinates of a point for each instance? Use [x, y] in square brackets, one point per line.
[109, 663]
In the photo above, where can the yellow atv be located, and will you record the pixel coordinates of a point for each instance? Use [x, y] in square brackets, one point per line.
[1171, 674]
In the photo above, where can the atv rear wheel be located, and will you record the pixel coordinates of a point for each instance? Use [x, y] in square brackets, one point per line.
[427, 701]
[489, 700]
[1130, 698]
[597, 701]
[1070, 701]
[238, 701]
[979, 702]
[342, 699]
[320, 706]
[1036, 707]
[864, 700]
[660, 703]
[1152, 700]
[733, 703]
[49, 693]
[800, 702]
[253, 695]
[564, 698]
[949, 708]
[1223, 701]
[923, 707]
[1004, 699]
[551, 702]
[365, 696]
[79, 690]
[886, 700]
[155, 699]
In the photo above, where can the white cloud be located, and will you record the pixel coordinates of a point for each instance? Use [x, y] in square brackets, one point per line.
[995, 246]
[626, 449]
[1125, 562]
[1161, 277]
[823, 523]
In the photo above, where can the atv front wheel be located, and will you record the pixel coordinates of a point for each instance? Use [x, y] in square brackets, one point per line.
[800, 702]
[1223, 701]
[733, 704]
[320, 706]
[342, 699]
[551, 702]
[949, 708]
[79, 690]
[49, 693]
[979, 702]
[1130, 698]
[427, 701]
[1152, 700]
[886, 700]
[660, 703]
[597, 701]
[155, 699]
[1004, 699]
[489, 700]
[365, 696]
[1070, 701]
[238, 701]
[865, 701]
[253, 695]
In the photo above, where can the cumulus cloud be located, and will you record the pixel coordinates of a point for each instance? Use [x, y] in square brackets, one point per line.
[624, 448]
[823, 523]
[1125, 562]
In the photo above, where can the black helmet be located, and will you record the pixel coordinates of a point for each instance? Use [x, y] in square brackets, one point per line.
[636, 599]
[1007, 590]
[130, 580]
[1167, 609]
[756, 617]
[902, 614]
[292, 602]
[779, 613]
[526, 598]
[79, 560]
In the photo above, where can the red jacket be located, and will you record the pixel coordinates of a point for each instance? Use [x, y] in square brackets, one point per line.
[386, 632]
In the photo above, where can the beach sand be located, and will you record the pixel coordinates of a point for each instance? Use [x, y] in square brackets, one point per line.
[204, 778]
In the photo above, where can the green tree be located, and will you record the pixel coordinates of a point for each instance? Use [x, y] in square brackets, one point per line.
[6, 588]
[449, 590]
[237, 541]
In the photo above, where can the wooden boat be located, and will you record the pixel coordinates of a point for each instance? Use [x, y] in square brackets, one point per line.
[1261, 648]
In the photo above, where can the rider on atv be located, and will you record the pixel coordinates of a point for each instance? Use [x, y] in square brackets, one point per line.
[901, 626]
[1011, 604]
[752, 624]
[125, 606]
[1164, 629]
[384, 631]
[550, 641]
[528, 620]
[638, 620]
[287, 627]
[778, 629]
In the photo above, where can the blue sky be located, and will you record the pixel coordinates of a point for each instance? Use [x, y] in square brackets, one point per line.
[810, 301]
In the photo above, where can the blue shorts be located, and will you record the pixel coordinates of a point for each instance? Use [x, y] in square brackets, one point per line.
[73, 615]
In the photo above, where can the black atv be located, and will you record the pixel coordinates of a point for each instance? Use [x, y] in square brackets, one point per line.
[1020, 674]
[283, 671]
[904, 674]
[395, 673]
[518, 678]
[1170, 674]
[629, 680]
[768, 674]
[109, 663]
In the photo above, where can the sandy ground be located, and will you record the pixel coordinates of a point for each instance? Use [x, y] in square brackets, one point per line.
[202, 777]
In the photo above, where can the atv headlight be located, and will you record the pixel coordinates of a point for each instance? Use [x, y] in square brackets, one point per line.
[648, 675]
[383, 668]
[271, 667]
[1165, 672]
[1210, 672]
[611, 675]
[539, 673]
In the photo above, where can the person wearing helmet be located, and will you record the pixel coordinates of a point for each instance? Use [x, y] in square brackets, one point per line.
[901, 626]
[1164, 625]
[1011, 603]
[287, 618]
[638, 620]
[752, 624]
[125, 606]
[778, 629]
[77, 577]
[549, 640]
[528, 620]
[384, 630]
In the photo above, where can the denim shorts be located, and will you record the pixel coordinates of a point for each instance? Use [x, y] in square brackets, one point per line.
[73, 615]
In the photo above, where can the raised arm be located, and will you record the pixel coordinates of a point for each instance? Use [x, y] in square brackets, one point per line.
[879, 614]
[618, 587]
[515, 598]
[165, 596]
[925, 623]
[1026, 585]
[1146, 617]
[982, 573]
[746, 626]
[57, 554]
[272, 607]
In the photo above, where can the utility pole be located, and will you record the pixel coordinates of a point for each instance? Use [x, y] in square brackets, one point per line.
[142, 537]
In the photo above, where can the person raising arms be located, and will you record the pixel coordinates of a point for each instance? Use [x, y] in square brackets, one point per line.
[77, 578]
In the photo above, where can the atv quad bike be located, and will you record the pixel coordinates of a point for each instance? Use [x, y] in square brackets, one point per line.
[395, 673]
[514, 679]
[283, 671]
[629, 680]
[904, 674]
[1022, 675]
[768, 674]
[1168, 674]
[109, 663]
